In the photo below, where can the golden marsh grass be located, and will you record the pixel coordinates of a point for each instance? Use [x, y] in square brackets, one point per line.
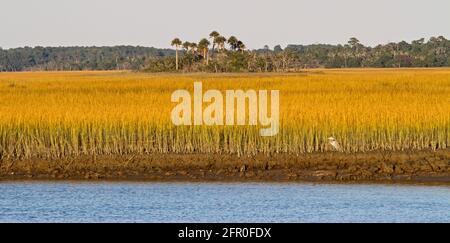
[66, 114]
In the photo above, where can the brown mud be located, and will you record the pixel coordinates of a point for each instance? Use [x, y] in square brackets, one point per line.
[427, 167]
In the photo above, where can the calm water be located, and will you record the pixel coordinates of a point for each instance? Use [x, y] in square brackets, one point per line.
[213, 202]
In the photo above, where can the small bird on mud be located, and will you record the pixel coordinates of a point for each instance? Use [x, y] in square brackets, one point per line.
[334, 143]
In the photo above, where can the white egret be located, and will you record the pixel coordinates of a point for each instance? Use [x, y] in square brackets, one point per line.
[335, 144]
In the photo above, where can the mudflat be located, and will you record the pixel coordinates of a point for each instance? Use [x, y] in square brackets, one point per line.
[376, 166]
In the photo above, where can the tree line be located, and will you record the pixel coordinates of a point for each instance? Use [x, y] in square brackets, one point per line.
[79, 58]
[217, 53]
[220, 54]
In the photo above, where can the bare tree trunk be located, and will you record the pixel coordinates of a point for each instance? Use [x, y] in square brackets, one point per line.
[176, 58]
[205, 55]
[212, 51]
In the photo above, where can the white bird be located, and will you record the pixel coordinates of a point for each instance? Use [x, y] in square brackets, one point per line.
[335, 144]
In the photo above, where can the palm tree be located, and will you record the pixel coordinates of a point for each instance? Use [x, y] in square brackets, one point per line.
[213, 35]
[176, 42]
[241, 46]
[193, 47]
[203, 45]
[186, 46]
[233, 42]
[220, 40]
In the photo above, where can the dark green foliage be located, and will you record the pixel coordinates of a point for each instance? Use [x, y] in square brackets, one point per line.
[419, 53]
[79, 58]
[163, 64]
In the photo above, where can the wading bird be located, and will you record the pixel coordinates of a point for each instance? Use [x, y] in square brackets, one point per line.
[335, 144]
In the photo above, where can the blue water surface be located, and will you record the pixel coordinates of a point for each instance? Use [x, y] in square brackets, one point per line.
[221, 202]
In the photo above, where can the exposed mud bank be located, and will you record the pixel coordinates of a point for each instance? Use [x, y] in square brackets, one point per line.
[408, 167]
